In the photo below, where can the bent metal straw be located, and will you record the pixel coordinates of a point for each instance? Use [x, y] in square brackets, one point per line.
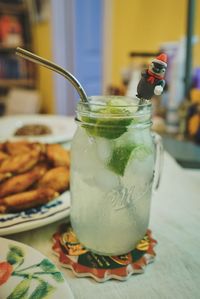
[54, 67]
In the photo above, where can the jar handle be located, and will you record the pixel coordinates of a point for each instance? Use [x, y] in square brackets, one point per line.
[158, 160]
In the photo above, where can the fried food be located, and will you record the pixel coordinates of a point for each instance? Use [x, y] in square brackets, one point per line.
[22, 182]
[2, 209]
[31, 174]
[33, 130]
[28, 199]
[20, 163]
[58, 155]
[17, 148]
[2, 146]
[56, 178]
[4, 176]
[3, 156]
[21, 147]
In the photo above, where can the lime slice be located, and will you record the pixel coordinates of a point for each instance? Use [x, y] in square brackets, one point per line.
[107, 128]
[110, 128]
[141, 152]
[123, 106]
[121, 155]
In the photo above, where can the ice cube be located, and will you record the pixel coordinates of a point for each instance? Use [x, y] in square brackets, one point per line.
[104, 149]
[106, 179]
[84, 156]
[139, 171]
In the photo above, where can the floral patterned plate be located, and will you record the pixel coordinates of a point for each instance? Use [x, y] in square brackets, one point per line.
[26, 273]
[22, 221]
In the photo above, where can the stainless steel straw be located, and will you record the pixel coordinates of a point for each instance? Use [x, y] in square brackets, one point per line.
[54, 67]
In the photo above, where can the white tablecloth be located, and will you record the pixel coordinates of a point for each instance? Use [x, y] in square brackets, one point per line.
[175, 222]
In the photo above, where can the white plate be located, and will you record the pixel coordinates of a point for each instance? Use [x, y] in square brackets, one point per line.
[62, 127]
[25, 271]
[36, 217]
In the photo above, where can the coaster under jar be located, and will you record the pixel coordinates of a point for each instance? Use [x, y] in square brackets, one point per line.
[73, 255]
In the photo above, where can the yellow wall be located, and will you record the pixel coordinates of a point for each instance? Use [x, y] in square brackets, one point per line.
[138, 25]
[42, 37]
[142, 25]
[196, 52]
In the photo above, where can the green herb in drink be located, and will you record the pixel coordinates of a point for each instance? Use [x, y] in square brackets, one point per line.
[121, 155]
[120, 158]
[110, 121]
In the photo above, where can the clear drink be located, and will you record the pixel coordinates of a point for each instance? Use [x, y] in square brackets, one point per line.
[111, 174]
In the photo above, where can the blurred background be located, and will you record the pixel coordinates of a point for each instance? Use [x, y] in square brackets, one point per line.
[105, 44]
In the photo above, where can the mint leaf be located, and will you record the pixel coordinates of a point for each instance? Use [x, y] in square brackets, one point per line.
[109, 121]
[120, 158]
[105, 127]
[141, 152]
[121, 155]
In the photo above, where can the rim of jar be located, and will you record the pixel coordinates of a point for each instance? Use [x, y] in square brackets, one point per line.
[140, 111]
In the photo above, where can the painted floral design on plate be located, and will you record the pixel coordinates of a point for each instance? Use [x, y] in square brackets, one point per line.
[25, 273]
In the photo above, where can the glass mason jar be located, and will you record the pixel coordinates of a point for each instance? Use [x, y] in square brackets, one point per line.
[112, 172]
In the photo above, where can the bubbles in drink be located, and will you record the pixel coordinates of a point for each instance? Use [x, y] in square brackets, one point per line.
[112, 171]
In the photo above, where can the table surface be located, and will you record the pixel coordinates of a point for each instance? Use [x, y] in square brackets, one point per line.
[175, 223]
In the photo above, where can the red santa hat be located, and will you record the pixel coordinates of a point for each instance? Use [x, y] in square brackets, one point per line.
[161, 59]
